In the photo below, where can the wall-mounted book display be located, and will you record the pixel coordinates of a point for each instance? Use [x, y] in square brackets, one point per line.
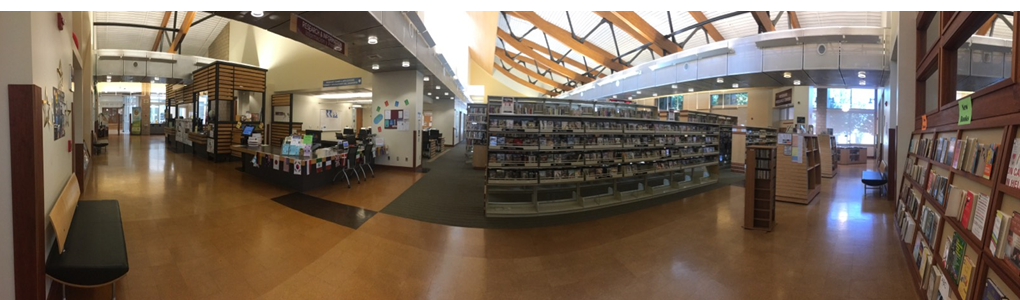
[554, 156]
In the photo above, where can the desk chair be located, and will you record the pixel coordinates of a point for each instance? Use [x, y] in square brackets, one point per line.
[366, 158]
[349, 167]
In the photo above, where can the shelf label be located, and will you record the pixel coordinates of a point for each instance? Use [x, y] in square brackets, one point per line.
[966, 107]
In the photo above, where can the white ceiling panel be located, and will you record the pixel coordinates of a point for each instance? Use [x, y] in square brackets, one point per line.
[839, 18]
[733, 27]
[117, 37]
[1000, 30]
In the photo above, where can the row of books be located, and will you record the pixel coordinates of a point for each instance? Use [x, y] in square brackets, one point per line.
[969, 208]
[929, 223]
[1013, 170]
[975, 158]
[576, 110]
[959, 266]
[921, 147]
[762, 174]
[914, 172]
[590, 173]
[938, 185]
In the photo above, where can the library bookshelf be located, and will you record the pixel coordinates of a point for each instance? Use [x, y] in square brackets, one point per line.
[827, 153]
[477, 134]
[958, 206]
[725, 123]
[745, 136]
[851, 155]
[760, 188]
[556, 156]
[799, 182]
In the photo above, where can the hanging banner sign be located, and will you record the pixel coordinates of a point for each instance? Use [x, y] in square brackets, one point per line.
[784, 97]
[341, 82]
[301, 26]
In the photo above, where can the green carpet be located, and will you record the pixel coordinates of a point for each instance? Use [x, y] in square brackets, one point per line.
[451, 194]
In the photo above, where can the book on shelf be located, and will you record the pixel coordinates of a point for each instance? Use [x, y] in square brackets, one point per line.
[1013, 255]
[968, 203]
[944, 289]
[966, 273]
[1000, 231]
[954, 263]
[954, 202]
[959, 148]
[977, 222]
[1013, 169]
[992, 291]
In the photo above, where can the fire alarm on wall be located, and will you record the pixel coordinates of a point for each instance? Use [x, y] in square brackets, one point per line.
[60, 21]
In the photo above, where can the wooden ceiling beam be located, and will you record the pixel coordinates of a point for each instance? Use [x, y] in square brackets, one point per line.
[528, 71]
[188, 18]
[712, 32]
[540, 59]
[763, 19]
[601, 56]
[632, 23]
[522, 81]
[543, 50]
[159, 33]
[794, 21]
[985, 28]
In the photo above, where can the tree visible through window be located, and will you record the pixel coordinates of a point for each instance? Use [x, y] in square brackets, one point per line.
[851, 115]
[669, 103]
[729, 100]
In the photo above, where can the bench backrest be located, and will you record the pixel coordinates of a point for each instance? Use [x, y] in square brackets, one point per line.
[63, 210]
[883, 169]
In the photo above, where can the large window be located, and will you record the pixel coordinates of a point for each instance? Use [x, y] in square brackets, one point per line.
[670, 103]
[729, 100]
[851, 115]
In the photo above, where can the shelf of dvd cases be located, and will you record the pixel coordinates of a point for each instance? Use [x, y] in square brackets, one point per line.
[760, 188]
[553, 156]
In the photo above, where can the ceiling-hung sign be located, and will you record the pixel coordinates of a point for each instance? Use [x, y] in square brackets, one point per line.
[316, 33]
[341, 82]
[784, 97]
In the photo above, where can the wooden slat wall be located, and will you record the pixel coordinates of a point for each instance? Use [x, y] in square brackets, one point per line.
[224, 135]
[280, 100]
[278, 131]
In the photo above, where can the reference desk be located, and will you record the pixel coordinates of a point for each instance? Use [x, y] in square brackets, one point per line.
[300, 173]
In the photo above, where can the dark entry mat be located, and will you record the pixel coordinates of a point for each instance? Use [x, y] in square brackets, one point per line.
[339, 213]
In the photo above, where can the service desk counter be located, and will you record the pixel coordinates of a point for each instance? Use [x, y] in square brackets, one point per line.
[300, 173]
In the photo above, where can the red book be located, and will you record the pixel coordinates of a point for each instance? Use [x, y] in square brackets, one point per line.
[967, 203]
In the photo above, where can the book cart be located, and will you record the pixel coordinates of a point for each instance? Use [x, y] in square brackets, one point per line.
[745, 136]
[827, 152]
[799, 182]
[477, 134]
[958, 205]
[555, 156]
[760, 188]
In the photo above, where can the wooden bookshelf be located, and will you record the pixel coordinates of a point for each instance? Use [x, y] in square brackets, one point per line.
[745, 136]
[827, 153]
[760, 188]
[557, 156]
[799, 182]
[849, 155]
[477, 134]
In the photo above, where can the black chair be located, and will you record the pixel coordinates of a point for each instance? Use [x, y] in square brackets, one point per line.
[875, 179]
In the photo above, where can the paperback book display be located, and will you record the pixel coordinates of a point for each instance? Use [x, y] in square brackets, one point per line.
[552, 148]
[956, 228]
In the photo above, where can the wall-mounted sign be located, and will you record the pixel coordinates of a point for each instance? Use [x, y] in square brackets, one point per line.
[341, 82]
[301, 26]
[966, 107]
[784, 97]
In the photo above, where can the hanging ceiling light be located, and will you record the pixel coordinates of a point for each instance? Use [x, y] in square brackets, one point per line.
[796, 82]
[787, 75]
[258, 14]
[156, 79]
[719, 80]
[372, 40]
[375, 66]
[405, 64]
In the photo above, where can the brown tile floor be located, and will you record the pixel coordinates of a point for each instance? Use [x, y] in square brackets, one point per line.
[199, 230]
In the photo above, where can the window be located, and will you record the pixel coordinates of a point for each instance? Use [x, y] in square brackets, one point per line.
[670, 103]
[851, 115]
[729, 100]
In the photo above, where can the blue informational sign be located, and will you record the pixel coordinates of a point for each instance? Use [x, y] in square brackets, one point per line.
[342, 82]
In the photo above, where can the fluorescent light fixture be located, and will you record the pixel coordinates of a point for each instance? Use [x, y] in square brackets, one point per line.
[372, 40]
[861, 75]
[862, 82]
[345, 96]
[356, 106]
[258, 14]
[787, 75]
[690, 89]
[405, 64]
[796, 82]
[375, 66]
[426, 78]
[674, 86]
[719, 80]
[735, 85]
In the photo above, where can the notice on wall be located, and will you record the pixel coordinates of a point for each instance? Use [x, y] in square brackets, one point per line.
[797, 152]
[785, 139]
[966, 107]
[508, 105]
[392, 119]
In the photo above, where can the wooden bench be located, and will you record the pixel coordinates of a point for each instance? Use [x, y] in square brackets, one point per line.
[90, 250]
[875, 179]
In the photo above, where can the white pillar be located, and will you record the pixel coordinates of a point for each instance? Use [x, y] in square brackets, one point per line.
[392, 92]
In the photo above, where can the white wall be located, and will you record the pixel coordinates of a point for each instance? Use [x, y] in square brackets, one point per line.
[443, 119]
[15, 34]
[308, 108]
[904, 74]
[390, 87]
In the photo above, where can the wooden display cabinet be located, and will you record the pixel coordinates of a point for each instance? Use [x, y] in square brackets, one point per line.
[760, 188]
[799, 182]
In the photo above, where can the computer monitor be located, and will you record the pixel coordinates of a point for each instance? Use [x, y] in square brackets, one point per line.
[247, 130]
[348, 131]
[365, 132]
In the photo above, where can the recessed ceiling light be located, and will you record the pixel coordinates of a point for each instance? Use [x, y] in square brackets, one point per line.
[375, 66]
[372, 40]
[655, 94]
[108, 77]
[426, 78]
[614, 96]
[639, 92]
[157, 78]
[630, 98]
[787, 75]
[863, 82]
[736, 85]
[719, 80]
[451, 98]
[674, 86]
[429, 93]
[861, 75]
[690, 89]
[437, 87]
[257, 14]
[796, 82]
[446, 94]
[405, 64]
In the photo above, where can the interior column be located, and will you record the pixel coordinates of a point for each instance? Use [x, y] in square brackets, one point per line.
[395, 115]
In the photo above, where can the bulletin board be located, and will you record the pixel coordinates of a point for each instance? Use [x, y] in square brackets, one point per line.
[395, 119]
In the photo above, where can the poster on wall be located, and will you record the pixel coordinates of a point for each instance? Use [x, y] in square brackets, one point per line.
[393, 119]
[59, 105]
[785, 138]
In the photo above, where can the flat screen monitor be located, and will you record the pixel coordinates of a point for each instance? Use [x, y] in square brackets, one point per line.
[348, 131]
[247, 130]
